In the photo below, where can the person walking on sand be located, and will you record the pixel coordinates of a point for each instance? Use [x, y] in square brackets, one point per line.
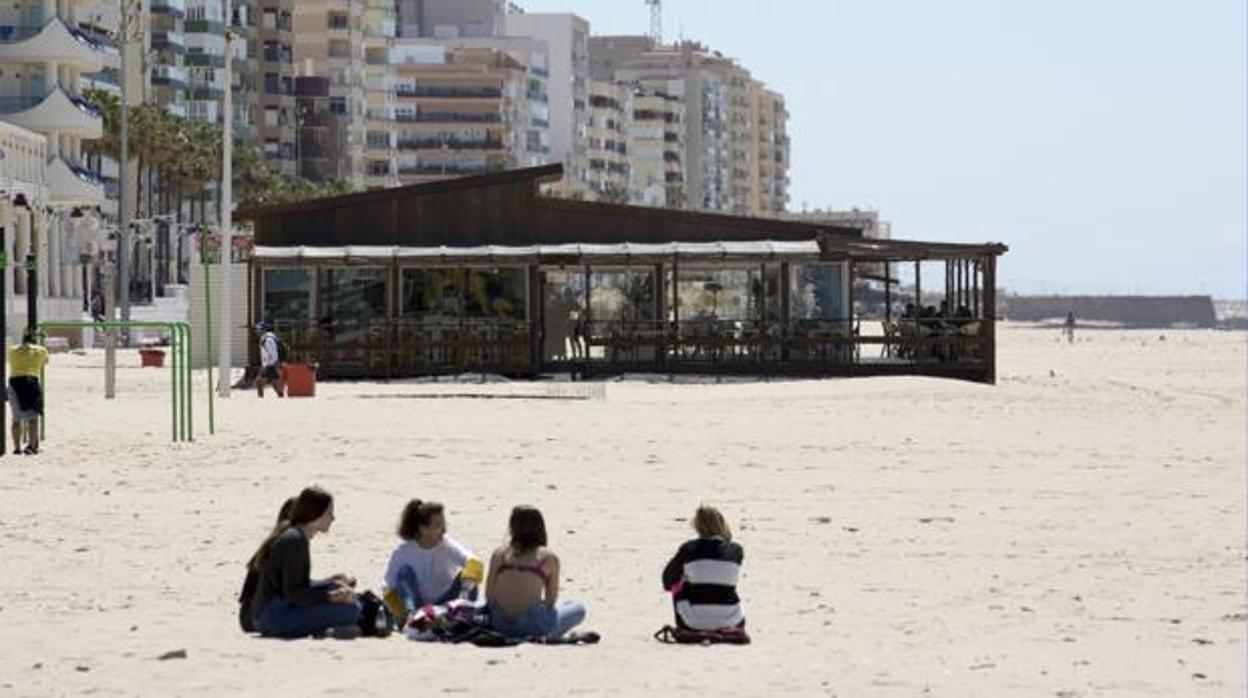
[26, 362]
[270, 361]
[1069, 329]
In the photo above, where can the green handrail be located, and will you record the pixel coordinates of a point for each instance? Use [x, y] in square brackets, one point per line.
[182, 411]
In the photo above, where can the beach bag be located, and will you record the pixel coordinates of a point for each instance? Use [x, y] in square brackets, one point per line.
[374, 616]
[444, 622]
[670, 635]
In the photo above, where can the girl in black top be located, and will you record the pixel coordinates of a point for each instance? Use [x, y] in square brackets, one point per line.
[288, 603]
[252, 580]
[702, 576]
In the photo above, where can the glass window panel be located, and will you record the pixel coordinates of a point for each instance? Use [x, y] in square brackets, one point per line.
[353, 294]
[288, 295]
[622, 295]
[497, 294]
[816, 292]
[719, 294]
[432, 294]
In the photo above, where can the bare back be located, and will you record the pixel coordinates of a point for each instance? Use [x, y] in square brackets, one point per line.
[518, 582]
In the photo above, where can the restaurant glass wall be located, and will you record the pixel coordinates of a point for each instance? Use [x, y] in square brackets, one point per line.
[432, 295]
[623, 318]
[496, 294]
[564, 314]
[288, 295]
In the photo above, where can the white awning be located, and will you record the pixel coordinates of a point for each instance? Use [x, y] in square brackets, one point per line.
[754, 248]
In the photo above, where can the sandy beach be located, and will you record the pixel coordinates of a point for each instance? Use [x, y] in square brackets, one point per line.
[1077, 530]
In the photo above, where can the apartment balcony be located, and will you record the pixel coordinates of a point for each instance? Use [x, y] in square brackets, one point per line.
[171, 76]
[53, 42]
[436, 144]
[449, 92]
[448, 118]
[169, 41]
[57, 111]
[177, 8]
[69, 183]
[449, 169]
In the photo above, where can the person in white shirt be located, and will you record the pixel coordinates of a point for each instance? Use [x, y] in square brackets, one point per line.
[427, 566]
[270, 361]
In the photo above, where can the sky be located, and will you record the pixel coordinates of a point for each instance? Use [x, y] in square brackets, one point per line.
[1103, 140]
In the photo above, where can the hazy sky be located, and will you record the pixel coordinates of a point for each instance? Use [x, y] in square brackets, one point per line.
[1103, 140]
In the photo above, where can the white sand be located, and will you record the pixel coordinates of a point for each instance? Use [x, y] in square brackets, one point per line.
[1077, 533]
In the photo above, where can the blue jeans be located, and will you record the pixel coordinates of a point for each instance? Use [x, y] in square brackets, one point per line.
[414, 597]
[284, 619]
[540, 620]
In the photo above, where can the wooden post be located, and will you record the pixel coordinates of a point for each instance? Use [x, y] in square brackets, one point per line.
[660, 316]
[989, 324]
[675, 329]
[786, 271]
[888, 294]
[975, 270]
[918, 289]
[537, 317]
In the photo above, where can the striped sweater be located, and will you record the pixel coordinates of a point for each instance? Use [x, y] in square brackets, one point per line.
[703, 580]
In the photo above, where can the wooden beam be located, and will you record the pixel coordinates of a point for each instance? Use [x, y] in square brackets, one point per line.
[989, 323]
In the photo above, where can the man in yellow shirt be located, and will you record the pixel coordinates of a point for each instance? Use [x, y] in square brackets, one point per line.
[26, 362]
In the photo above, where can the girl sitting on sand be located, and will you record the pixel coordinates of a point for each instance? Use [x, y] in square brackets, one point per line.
[702, 577]
[252, 580]
[427, 567]
[523, 584]
[288, 604]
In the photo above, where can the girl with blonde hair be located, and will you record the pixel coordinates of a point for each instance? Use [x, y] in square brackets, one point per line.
[702, 576]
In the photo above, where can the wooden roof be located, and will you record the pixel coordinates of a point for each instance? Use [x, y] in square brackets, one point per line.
[504, 208]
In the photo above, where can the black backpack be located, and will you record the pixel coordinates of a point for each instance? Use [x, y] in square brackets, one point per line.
[282, 352]
[375, 620]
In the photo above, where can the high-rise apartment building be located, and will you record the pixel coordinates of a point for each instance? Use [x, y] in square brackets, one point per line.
[267, 78]
[656, 143]
[380, 101]
[449, 19]
[734, 150]
[461, 111]
[567, 42]
[769, 178]
[166, 39]
[606, 147]
[204, 61]
[348, 42]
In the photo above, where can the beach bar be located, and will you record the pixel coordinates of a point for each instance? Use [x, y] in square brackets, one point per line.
[486, 274]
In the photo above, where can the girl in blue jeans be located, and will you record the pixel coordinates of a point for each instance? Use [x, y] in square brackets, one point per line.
[288, 604]
[522, 587]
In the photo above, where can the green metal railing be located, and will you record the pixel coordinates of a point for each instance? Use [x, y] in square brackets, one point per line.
[181, 409]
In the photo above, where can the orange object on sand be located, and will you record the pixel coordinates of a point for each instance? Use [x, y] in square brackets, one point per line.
[300, 380]
[151, 357]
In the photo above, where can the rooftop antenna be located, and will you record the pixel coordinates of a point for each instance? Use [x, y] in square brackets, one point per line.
[656, 20]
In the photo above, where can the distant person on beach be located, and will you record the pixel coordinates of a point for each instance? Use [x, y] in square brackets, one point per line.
[428, 566]
[523, 585]
[1069, 329]
[26, 362]
[288, 604]
[702, 576]
[270, 361]
[252, 579]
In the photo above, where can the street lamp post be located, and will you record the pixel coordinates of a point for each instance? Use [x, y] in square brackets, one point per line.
[227, 205]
